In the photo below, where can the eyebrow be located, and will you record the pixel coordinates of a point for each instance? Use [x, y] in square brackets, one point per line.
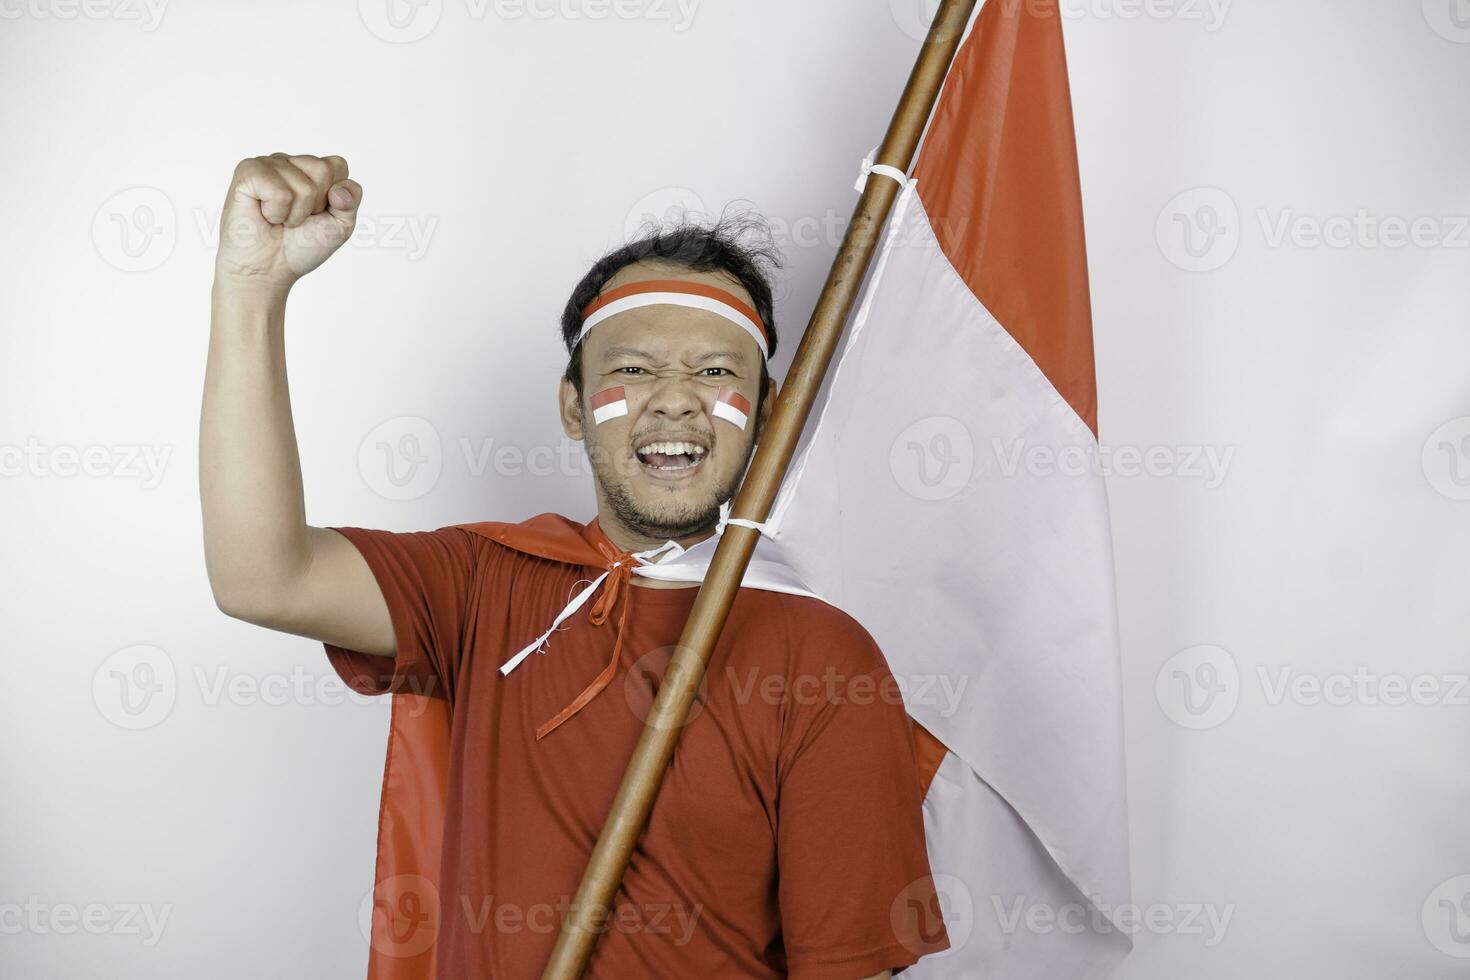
[614, 352]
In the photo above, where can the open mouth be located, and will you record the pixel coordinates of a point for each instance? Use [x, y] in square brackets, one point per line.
[671, 459]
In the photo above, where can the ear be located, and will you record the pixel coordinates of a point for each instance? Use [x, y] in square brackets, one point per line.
[570, 409]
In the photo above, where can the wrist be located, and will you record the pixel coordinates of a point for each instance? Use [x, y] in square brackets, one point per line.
[261, 290]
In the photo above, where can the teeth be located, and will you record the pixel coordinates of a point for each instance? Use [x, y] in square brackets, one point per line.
[673, 448]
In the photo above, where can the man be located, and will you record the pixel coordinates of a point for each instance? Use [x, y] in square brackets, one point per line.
[787, 837]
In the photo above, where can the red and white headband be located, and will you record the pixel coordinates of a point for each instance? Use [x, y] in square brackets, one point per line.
[676, 292]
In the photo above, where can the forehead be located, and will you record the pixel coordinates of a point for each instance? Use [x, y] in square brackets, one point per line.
[667, 330]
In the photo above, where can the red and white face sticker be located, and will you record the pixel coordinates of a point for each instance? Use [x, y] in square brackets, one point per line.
[609, 403]
[733, 407]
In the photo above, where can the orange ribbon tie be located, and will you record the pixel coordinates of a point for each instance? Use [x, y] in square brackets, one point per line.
[620, 571]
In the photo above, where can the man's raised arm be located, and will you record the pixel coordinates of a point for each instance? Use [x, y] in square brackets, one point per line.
[283, 216]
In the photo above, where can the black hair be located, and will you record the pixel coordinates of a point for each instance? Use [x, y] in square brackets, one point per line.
[691, 244]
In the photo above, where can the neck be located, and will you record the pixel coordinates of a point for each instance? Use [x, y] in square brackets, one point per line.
[628, 540]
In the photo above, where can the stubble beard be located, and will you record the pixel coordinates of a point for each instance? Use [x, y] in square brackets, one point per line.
[694, 518]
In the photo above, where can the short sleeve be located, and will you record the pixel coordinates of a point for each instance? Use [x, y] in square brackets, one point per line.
[426, 579]
[855, 889]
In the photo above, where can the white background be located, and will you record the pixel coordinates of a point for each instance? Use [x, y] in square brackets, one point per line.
[500, 153]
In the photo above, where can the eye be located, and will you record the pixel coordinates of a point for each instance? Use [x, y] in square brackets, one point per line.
[725, 370]
[630, 368]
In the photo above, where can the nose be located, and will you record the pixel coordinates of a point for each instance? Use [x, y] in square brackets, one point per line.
[675, 397]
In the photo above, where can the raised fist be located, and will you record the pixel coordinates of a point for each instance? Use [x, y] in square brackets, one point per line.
[283, 216]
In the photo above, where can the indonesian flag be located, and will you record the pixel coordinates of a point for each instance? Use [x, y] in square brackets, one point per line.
[732, 406]
[917, 506]
[609, 403]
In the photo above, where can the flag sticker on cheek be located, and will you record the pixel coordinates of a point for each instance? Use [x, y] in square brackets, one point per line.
[732, 406]
[609, 403]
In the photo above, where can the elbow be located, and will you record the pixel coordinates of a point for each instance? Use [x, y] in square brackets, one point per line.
[248, 605]
[231, 603]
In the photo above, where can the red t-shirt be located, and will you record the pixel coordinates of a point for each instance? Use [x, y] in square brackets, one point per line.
[787, 838]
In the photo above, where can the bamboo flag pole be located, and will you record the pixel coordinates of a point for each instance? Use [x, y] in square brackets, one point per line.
[587, 915]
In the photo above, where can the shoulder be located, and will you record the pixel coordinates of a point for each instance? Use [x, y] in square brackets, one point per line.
[820, 635]
[456, 543]
[470, 540]
[441, 545]
[448, 552]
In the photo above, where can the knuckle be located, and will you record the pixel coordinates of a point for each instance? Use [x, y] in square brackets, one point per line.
[313, 167]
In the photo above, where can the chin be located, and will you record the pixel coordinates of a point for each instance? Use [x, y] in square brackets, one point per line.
[668, 516]
[678, 521]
